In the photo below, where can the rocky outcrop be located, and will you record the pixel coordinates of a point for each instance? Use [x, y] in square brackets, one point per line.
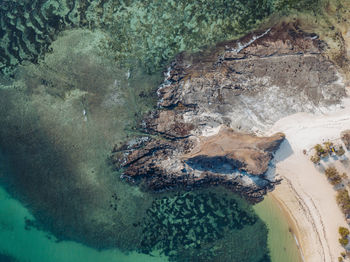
[229, 150]
[213, 105]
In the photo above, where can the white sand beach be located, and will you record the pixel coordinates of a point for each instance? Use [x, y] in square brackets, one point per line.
[305, 192]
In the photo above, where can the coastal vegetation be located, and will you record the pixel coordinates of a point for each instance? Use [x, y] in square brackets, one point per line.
[340, 151]
[337, 179]
[343, 240]
[344, 233]
[333, 175]
[343, 200]
[326, 149]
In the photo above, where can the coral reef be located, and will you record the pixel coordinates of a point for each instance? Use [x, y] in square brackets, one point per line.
[28, 28]
[186, 226]
[136, 29]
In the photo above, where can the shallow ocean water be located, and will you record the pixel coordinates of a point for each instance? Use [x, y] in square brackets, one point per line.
[35, 245]
[281, 240]
[77, 76]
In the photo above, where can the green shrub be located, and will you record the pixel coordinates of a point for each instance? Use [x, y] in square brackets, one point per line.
[322, 151]
[315, 159]
[343, 231]
[340, 151]
[343, 200]
[333, 175]
[343, 241]
[319, 149]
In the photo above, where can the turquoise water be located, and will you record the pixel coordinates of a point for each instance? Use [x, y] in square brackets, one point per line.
[35, 245]
[281, 240]
[76, 79]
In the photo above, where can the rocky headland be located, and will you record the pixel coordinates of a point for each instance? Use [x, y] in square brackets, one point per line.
[213, 106]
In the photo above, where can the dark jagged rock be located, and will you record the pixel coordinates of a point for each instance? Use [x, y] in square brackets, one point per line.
[211, 104]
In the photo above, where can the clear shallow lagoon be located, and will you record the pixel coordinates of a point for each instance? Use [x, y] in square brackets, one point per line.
[281, 241]
[35, 246]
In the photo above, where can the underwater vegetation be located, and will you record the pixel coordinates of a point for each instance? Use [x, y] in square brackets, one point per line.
[298, 5]
[59, 120]
[28, 27]
[193, 226]
[7, 258]
[151, 31]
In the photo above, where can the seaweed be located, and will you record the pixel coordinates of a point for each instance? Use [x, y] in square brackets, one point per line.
[189, 221]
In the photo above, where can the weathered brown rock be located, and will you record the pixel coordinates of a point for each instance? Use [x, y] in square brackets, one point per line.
[240, 87]
[244, 152]
[169, 123]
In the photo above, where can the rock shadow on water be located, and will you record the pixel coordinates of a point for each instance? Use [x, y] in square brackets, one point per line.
[215, 164]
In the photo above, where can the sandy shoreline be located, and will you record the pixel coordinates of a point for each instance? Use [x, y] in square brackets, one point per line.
[291, 221]
[305, 194]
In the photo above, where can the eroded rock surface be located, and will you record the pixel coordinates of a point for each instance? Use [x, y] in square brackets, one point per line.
[229, 150]
[212, 105]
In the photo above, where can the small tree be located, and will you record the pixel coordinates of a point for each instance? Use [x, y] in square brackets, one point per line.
[331, 171]
[340, 259]
[340, 151]
[343, 200]
[343, 231]
[333, 175]
[343, 241]
[315, 159]
[344, 176]
[319, 149]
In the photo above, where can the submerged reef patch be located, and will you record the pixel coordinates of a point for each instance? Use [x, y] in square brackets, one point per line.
[28, 27]
[59, 119]
[150, 31]
[193, 226]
